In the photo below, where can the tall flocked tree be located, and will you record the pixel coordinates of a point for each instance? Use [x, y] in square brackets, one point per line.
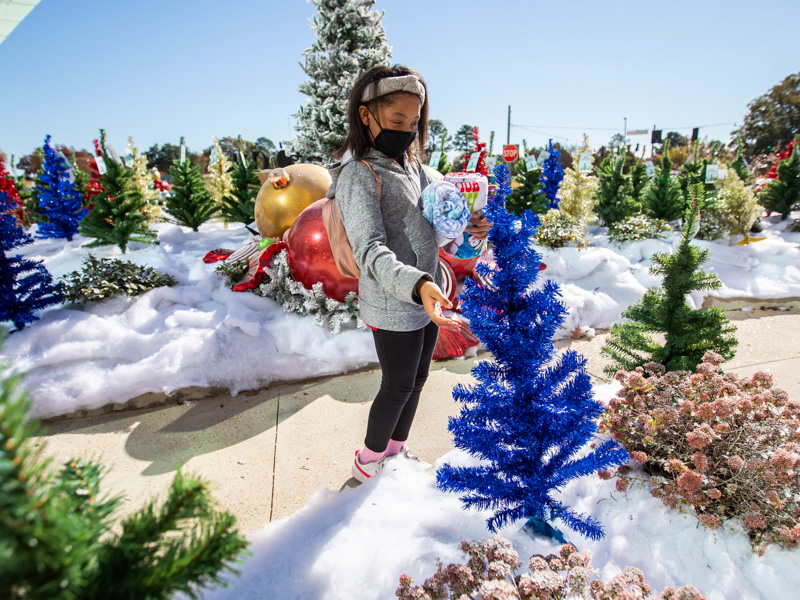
[552, 174]
[350, 40]
[531, 411]
[26, 285]
[59, 201]
[688, 332]
[118, 216]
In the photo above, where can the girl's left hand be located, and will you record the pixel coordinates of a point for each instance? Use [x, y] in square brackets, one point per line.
[480, 225]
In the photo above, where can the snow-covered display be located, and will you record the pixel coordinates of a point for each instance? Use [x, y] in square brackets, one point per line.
[350, 40]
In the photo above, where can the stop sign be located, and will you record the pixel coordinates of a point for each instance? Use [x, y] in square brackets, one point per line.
[510, 153]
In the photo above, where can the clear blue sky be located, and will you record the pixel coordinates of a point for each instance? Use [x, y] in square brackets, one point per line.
[160, 69]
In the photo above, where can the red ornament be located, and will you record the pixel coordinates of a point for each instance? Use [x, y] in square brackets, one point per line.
[454, 343]
[461, 268]
[217, 255]
[310, 256]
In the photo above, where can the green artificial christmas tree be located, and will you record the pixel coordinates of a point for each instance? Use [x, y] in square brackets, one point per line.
[783, 194]
[119, 215]
[578, 191]
[663, 199]
[640, 181]
[56, 536]
[688, 333]
[190, 204]
[240, 205]
[615, 192]
[530, 194]
[740, 164]
[350, 40]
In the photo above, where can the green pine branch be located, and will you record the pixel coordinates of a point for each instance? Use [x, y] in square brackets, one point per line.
[241, 206]
[190, 204]
[663, 199]
[614, 194]
[530, 194]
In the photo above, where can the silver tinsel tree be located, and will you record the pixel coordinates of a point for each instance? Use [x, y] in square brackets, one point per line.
[350, 40]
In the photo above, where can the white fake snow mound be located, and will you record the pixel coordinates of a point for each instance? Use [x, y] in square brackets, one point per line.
[329, 550]
[200, 333]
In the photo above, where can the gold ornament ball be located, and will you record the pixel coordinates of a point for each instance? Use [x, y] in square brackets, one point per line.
[286, 193]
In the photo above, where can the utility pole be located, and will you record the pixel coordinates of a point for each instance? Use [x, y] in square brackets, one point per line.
[625, 135]
[508, 130]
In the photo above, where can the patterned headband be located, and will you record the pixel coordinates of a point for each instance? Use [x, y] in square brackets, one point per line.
[387, 85]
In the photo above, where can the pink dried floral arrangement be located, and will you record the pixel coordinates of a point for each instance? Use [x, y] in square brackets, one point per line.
[727, 446]
[489, 575]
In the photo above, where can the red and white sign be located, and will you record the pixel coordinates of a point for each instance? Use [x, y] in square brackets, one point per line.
[510, 153]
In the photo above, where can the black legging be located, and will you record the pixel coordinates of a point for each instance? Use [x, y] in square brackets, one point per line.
[405, 357]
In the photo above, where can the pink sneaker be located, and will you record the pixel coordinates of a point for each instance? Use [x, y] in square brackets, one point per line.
[367, 471]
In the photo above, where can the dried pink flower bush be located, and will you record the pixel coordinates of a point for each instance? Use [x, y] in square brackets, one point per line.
[726, 446]
[489, 575]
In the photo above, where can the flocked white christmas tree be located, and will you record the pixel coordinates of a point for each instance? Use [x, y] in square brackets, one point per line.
[350, 40]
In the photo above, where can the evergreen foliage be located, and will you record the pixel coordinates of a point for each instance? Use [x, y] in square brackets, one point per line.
[220, 183]
[663, 199]
[26, 285]
[143, 182]
[615, 192]
[350, 40]
[552, 174]
[739, 203]
[688, 333]
[782, 194]
[106, 277]
[640, 181]
[530, 194]
[531, 411]
[190, 203]
[578, 190]
[118, 216]
[240, 205]
[740, 165]
[59, 202]
[56, 541]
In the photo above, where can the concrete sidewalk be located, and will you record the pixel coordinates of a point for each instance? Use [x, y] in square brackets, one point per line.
[266, 452]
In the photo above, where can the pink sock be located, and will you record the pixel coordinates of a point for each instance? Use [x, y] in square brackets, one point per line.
[394, 447]
[368, 456]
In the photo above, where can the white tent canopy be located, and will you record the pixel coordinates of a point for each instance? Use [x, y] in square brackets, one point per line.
[11, 13]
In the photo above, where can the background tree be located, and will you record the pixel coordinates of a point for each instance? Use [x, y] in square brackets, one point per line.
[615, 192]
[663, 199]
[190, 203]
[773, 119]
[617, 141]
[463, 141]
[240, 205]
[531, 413]
[577, 190]
[782, 194]
[31, 163]
[56, 535]
[350, 40]
[437, 137]
[118, 216]
[162, 157]
[60, 204]
[530, 193]
[739, 203]
[688, 332]
[676, 140]
[26, 285]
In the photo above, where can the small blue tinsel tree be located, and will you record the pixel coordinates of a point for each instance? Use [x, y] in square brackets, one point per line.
[531, 411]
[552, 174]
[25, 285]
[59, 199]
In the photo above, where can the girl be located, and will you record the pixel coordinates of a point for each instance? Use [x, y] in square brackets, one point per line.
[394, 246]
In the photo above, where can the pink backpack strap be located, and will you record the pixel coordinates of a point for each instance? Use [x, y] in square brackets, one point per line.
[377, 178]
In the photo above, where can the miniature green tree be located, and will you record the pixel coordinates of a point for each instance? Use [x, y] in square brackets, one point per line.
[688, 332]
[530, 194]
[615, 193]
[640, 181]
[56, 538]
[190, 204]
[663, 199]
[783, 194]
[239, 206]
[740, 165]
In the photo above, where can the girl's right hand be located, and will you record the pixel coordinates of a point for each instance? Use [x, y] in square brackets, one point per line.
[433, 300]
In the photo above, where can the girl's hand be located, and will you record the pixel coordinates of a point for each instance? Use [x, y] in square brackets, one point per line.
[433, 300]
[480, 225]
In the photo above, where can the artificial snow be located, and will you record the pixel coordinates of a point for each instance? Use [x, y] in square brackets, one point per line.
[200, 333]
[329, 550]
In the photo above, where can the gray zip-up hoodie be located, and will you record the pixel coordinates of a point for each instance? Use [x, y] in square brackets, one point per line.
[393, 244]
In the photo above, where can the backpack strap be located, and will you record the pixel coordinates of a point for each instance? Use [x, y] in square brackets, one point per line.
[377, 178]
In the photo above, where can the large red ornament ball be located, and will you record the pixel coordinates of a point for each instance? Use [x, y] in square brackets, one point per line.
[310, 255]
[461, 268]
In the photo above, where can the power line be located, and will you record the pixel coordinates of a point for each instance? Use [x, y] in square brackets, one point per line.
[532, 127]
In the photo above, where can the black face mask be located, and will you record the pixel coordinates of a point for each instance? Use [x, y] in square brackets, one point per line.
[393, 143]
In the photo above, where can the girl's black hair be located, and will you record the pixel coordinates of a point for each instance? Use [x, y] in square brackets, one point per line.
[358, 141]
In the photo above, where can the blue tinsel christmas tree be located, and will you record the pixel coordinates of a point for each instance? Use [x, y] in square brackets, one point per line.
[531, 412]
[552, 174]
[59, 199]
[25, 285]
